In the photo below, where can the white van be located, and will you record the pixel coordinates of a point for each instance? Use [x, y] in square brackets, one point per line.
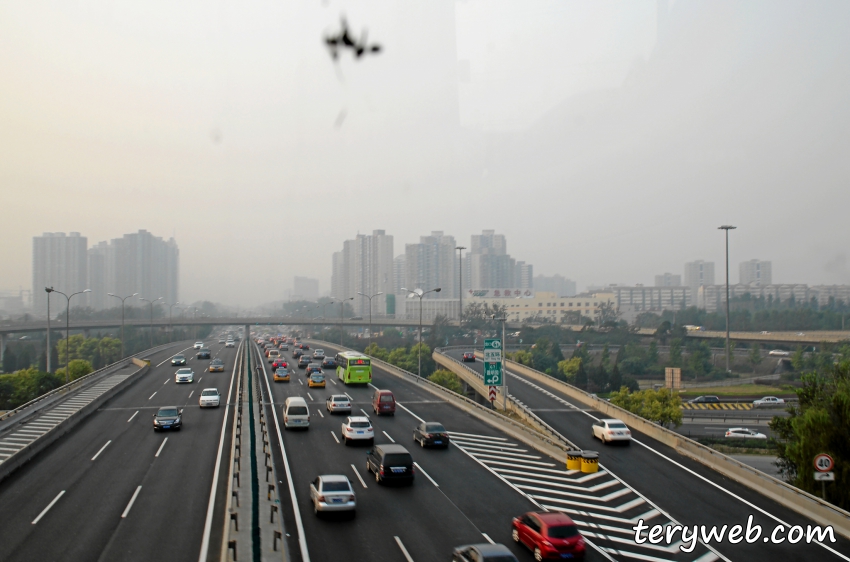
[295, 413]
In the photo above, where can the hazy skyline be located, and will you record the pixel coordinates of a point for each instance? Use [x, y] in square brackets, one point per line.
[600, 154]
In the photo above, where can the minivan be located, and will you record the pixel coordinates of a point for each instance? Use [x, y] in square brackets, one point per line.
[383, 402]
[390, 462]
[295, 413]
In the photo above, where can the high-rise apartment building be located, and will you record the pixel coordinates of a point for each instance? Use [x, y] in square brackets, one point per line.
[698, 274]
[557, 284]
[58, 261]
[365, 265]
[304, 288]
[755, 272]
[487, 265]
[432, 263]
[668, 280]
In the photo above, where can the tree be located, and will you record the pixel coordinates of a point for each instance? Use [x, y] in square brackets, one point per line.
[660, 406]
[818, 423]
[652, 354]
[615, 381]
[606, 356]
[448, 380]
[797, 359]
[663, 331]
[76, 369]
[568, 368]
[607, 312]
[581, 376]
[373, 350]
[522, 357]
[755, 356]
[10, 361]
[599, 379]
[676, 353]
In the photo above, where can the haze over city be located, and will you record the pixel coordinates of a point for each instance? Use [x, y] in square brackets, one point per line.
[606, 141]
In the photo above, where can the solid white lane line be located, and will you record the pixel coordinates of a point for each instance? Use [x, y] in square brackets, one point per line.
[205, 541]
[453, 433]
[403, 550]
[46, 509]
[489, 540]
[133, 416]
[132, 501]
[191, 393]
[335, 437]
[388, 437]
[152, 395]
[158, 451]
[409, 412]
[358, 475]
[101, 450]
[422, 470]
[310, 397]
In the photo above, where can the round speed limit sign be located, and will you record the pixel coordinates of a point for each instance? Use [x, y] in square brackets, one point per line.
[824, 463]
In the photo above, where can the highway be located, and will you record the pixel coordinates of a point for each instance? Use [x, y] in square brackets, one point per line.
[113, 489]
[689, 492]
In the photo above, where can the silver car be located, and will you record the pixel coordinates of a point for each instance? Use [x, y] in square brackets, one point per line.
[332, 492]
[186, 374]
[338, 403]
[611, 430]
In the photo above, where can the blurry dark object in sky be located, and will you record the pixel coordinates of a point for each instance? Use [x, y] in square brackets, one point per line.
[343, 40]
[340, 118]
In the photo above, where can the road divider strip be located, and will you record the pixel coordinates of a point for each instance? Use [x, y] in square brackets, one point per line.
[132, 501]
[46, 509]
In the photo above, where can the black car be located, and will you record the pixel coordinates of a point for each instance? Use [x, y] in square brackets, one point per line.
[431, 433]
[484, 552]
[705, 400]
[204, 353]
[390, 462]
[178, 360]
[313, 368]
[329, 363]
[303, 361]
[168, 417]
[297, 353]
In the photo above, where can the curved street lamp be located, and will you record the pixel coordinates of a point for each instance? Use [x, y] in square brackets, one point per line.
[420, 293]
[122, 299]
[370, 311]
[341, 310]
[67, 325]
[150, 302]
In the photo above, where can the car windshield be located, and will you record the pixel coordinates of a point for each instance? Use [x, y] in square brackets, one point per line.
[435, 427]
[563, 531]
[178, 357]
[209, 393]
[386, 398]
[184, 371]
[360, 424]
[317, 377]
[167, 412]
[335, 487]
[617, 426]
[340, 399]
[298, 411]
[216, 362]
[397, 460]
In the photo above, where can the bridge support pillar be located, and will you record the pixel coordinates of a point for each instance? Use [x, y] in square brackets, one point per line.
[2, 347]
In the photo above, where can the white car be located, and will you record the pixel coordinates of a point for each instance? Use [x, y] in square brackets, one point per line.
[357, 428]
[198, 345]
[744, 433]
[338, 403]
[184, 375]
[221, 340]
[778, 353]
[319, 354]
[611, 430]
[230, 343]
[332, 492]
[768, 401]
[210, 398]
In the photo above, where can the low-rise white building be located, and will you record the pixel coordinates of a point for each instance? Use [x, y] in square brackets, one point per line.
[529, 305]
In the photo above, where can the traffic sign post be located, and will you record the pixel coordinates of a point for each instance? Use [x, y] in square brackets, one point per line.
[823, 467]
[493, 375]
[492, 394]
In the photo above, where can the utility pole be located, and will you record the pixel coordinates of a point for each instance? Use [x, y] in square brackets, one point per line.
[460, 250]
[727, 228]
[49, 290]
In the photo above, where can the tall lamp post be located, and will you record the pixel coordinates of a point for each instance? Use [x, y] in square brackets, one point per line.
[171, 319]
[67, 326]
[370, 311]
[727, 228]
[122, 299]
[49, 290]
[420, 293]
[460, 250]
[341, 310]
[150, 302]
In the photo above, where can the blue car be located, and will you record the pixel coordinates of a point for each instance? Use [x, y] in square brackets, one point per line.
[328, 363]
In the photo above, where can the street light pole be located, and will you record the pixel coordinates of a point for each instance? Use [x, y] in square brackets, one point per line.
[151, 324]
[420, 293]
[122, 299]
[341, 309]
[49, 290]
[370, 312]
[68, 327]
[460, 284]
[171, 319]
[727, 228]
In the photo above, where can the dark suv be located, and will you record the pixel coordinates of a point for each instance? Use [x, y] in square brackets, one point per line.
[303, 361]
[168, 417]
[390, 462]
[203, 353]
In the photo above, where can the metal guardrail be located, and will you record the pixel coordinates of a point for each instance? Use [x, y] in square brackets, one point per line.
[81, 382]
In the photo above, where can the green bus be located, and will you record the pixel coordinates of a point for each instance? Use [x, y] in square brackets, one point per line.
[353, 368]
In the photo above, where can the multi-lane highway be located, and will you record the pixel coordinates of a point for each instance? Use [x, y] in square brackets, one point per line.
[688, 491]
[113, 489]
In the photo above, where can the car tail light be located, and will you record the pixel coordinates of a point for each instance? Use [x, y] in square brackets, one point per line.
[285, 419]
[321, 498]
[370, 429]
[610, 432]
[412, 469]
[728, 433]
[382, 470]
[351, 498]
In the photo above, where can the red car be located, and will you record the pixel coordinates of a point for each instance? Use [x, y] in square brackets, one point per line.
[550, 535]
[468, 356]
[279, 363]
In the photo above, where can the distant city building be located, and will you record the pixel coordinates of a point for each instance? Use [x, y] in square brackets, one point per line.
[713, 297]
[432, 263]
[697, 274]
[365, 265]
[487, 265]
[58, 261]
[755, 272]
[408, 308]
[651, 299]
[668, 280]
[304, 288]
[838, 294]
[543, 305]
[557, 284]
[399, 273]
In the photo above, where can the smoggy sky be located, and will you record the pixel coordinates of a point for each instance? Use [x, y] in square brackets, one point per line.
[605, 149]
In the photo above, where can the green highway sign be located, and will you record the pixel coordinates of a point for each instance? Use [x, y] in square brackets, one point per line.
[493, 362]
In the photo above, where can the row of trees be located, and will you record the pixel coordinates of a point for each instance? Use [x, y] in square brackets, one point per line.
[406, 358]
[28, 384]
[746, 317]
